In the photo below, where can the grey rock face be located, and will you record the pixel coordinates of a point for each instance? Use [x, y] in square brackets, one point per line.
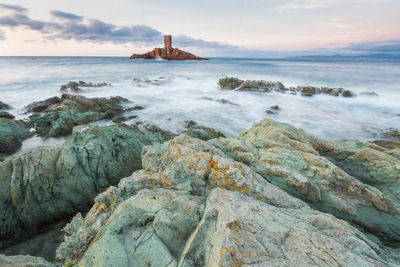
[44, 184]
[213, 203]
[12, 133]
[24, 261]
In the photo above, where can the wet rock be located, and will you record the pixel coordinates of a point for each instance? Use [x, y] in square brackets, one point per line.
[72, 110]
[307, 90]
[76, 86]
[201, 132]
[45, 184]
[268, 86]
[331, 91]
[270, 112]
[230, 83]
[4, 106]
[276, 107]
[6, 115]
[194, 205]
[41, 106]
[12, 133]
[347, 93]
[391, 133]
[25, 261]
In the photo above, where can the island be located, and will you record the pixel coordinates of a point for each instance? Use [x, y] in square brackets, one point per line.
[168, 52]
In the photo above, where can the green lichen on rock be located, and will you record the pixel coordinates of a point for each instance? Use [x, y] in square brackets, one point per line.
[25, 261]
[44, 184]
[12, 133]
[214, 203]
[61, 116]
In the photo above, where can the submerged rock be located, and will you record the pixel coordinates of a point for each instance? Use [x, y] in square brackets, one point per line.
[44, 184]
[12, 133]
[201, 132]
[193, 204]
[72, 110]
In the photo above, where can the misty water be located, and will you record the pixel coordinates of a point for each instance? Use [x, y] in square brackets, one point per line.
[177, 91]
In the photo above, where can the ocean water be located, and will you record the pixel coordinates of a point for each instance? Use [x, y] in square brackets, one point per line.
[188, 90]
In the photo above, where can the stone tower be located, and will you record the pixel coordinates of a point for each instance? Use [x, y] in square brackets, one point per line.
[168, 41]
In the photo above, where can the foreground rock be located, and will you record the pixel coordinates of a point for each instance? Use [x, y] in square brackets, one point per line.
[24, 261]
[44, 184]
[198, 203]
[304, 166]
[268, 86]
[61, 115]
[12, 133]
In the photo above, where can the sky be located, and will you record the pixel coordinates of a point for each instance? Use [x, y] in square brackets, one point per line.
[248, 28]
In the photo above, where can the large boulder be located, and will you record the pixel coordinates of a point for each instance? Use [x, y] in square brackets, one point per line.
[43, 184]
[193, 205]
[71, 110]
[24, 261]
[12, 133]
[304, 166]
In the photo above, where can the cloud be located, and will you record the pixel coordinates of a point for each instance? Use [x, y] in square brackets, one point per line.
[18, 20]
[2, 35]
[16, 8]
[74, 27]
[65, 15]
[313, 4]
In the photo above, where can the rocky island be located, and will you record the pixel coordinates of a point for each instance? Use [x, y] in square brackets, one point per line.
[167, 53]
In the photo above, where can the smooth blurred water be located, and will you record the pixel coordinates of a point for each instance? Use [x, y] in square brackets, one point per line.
[191, 84]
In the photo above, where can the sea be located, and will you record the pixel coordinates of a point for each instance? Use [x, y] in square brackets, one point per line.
[173, 92]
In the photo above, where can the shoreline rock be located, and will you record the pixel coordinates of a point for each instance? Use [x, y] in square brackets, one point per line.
[4, 106]
[232, 83]
[61, 115]
[76, 86]
[167, 54]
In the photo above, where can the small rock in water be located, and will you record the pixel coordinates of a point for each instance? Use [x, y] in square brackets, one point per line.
[270, 112]
[134, 108]
[276, 107]
[347, 93]
[6, 115]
